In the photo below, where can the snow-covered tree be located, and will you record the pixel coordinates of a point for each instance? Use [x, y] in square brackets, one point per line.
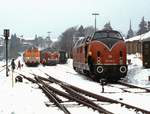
[142, 27]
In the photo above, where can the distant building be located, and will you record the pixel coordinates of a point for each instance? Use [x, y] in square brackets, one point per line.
[26, 44]
[148, 25]
[107, 26]
[134, 44]
[130, 32]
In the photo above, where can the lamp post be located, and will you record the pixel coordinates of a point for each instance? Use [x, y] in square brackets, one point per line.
[95, 14]
[49, 39]
[6, 35]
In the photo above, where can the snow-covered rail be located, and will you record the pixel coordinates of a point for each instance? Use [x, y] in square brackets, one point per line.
[79, 99]
[3, 67]
[52, 96]
[98, 97]
[71, 95]
[133, 86]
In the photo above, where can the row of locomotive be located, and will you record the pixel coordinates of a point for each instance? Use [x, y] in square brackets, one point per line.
[34, 57]
[101, 56]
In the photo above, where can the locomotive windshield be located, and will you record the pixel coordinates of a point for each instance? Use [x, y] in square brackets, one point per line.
[107, 34]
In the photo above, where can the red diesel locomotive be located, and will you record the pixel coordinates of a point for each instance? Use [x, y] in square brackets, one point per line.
[49, 57]
[101, 56]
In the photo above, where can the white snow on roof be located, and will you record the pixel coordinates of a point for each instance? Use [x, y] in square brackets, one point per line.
[139, 37]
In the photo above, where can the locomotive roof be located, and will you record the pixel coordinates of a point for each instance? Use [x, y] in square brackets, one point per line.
[49, 49]
[107, 31]
[80, 41]
[84, 39]
[32, 47]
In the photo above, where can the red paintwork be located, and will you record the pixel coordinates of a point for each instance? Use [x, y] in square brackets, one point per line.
[107, 55]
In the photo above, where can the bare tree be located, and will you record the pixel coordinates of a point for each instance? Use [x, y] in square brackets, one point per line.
[66, 40]
[88, 31]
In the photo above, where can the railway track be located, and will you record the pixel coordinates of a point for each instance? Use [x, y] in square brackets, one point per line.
[126, 87]
[76, 94]
[71, 97]
[3, 67]
[133, 86]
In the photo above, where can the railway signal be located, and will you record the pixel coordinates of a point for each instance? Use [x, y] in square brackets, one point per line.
[6, 35]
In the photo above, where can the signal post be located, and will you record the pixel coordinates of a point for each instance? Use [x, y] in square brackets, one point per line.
[6, 35]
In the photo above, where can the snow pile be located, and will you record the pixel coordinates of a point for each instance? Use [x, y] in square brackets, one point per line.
[137, 74]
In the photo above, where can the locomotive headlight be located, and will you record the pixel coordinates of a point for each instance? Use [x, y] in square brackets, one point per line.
[90, 53]
[37, 58]
[146, 63]
[121, 61]
[98, 60]
[98, 57]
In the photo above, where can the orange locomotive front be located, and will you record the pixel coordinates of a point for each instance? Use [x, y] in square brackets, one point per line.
[32, 57]
[101, 56]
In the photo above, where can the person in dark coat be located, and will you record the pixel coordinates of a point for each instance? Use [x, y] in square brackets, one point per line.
[13, 64]
[19, 65]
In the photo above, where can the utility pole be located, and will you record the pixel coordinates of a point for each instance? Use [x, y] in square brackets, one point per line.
[95, 14]
[6, 35]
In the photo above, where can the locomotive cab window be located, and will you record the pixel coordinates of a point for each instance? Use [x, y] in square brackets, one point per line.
[107, 34]
[115, 35]
[99, 35]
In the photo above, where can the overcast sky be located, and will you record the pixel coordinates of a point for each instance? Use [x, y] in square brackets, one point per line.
[30, 17]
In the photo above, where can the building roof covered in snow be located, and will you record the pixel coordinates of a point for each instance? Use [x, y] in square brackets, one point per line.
[142, 37]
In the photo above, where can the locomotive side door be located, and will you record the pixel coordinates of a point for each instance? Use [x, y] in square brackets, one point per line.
[86, 49]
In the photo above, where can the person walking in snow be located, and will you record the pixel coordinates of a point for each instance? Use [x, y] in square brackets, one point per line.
[13, 64]
[19, 65]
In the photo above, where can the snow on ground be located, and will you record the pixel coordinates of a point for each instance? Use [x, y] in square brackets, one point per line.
[137, 74]
[26, 98]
